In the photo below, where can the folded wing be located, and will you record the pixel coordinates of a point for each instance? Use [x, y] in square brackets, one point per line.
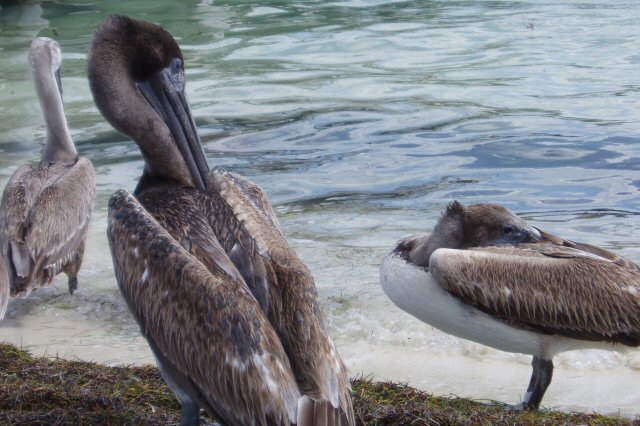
[44, 220]
[294, 310]
[192, 314]
[547, 288]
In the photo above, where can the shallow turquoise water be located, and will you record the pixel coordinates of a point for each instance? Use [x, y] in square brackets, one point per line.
[362, 120]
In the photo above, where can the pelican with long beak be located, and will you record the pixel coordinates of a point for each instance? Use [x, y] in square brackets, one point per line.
[45, 209]
[229, 310]
[485, 275]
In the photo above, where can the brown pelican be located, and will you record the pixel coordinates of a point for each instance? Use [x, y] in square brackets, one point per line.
[485, 275]
[45, 210]
[228, 309]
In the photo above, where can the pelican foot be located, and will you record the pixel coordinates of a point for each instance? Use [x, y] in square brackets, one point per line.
[523, 406]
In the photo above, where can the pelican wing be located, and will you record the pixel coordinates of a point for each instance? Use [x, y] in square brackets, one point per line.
[257, 200]
[17, 197]
[554, 246]
[45, 217]
[183, 213]
[294, 310]
[186, 213]
[204, 326]
[571, 292]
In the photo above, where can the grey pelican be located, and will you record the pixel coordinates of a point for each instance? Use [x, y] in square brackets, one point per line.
[45, 209]
[228, 309]
[486, 275]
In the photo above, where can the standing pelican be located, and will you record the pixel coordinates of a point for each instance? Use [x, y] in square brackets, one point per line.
[485, 275]
[45, 210]
[228, 309]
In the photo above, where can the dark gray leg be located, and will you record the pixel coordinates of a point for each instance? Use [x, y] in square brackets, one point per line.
[540, 380]
[73, 284]
[72, 267]
[190, 414]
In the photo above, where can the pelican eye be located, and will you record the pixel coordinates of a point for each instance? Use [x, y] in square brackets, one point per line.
[177, 65]
[177, 73]
[507, 229]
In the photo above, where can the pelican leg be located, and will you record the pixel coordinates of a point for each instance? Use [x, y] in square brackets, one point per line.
[179, 384]
[73, 284]
[190, 414]
[73, 267]
[540, 380]
[72, 274]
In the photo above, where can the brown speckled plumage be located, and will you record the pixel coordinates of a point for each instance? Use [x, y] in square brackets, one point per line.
[246, 295]
[548, 284]
[45, 208]
[44, 218]
[203, 324]
[295, 312]
[503, 283]
[547, 288]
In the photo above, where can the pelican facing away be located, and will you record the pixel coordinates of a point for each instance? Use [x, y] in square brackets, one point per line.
[45, 209]
[485, 275]
[228, 309]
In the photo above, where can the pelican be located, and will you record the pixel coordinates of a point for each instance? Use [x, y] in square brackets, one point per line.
[228, 309]
[486, 275]
[45, 208]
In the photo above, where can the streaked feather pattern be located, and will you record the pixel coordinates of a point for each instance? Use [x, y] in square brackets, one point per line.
[194, 314]
[45, 209]
[285, 293]
[220, 296]
[547, 288]
[44, 218]
[296, 313]
[485, 275]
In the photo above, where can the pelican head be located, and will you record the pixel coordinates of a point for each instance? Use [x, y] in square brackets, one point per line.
[136, 75]
[475, 225]
[45, 58]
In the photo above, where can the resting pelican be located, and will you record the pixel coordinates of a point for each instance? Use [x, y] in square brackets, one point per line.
[228, 309]
[45, 210]
[485, 275]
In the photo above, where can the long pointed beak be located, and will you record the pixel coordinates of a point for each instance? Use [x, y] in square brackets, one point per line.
[535, 234]
[165, 92]
[526, 234]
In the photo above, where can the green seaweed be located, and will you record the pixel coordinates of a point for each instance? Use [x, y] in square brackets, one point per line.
[53, 391]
